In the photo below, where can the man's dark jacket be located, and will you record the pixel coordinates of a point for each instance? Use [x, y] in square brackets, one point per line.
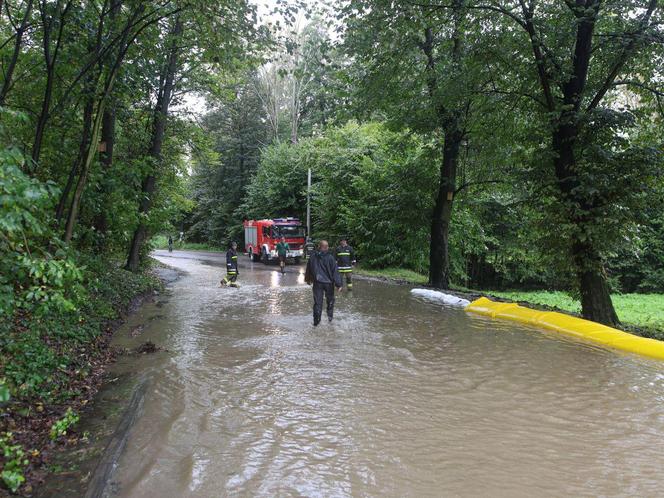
[322, 269]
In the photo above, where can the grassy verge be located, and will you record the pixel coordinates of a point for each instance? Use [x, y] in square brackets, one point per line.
[51, 366]
[161, 242]
[401, 274]
[642, 314]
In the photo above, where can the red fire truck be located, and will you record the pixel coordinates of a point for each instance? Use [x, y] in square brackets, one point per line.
[261, 237]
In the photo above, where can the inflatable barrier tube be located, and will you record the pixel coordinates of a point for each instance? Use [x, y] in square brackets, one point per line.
[570, 325]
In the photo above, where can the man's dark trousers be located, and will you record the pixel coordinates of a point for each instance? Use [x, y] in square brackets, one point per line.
[328, 291]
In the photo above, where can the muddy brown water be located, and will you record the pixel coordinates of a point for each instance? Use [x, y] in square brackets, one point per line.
[397, 397]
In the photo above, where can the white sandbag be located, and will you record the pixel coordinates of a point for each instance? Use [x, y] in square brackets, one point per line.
[440, 297]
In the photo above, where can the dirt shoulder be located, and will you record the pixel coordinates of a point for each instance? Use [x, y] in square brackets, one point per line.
[36, 428]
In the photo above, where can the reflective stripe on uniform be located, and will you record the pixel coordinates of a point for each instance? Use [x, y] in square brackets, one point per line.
[231, 272]
[345, 270]
[343, 254]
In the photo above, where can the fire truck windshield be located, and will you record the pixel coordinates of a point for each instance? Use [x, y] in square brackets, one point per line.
[288, 231]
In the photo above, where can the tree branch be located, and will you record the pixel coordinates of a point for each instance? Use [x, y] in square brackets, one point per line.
[623, 57]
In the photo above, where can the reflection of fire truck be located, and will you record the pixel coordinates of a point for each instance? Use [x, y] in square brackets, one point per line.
[261, 237]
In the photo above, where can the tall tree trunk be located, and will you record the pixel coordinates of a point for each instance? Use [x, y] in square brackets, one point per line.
[439, 259]
[158, 133]
[50, 58]
[596, 302]
[83, 147]
[106, 159]
[85, 169]
[439, 254]
[43, 117]
[9, 72]
[102, 97]
[106, 156]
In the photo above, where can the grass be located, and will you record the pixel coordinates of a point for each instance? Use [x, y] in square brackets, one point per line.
[640, 313]
[638, 310]
[394, 273]
[161, 242]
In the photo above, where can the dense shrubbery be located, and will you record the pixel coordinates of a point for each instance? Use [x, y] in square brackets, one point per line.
[40, 352]
[370, 184]
[53, 300]
[37, 272]
[376, 187]
[55, 304]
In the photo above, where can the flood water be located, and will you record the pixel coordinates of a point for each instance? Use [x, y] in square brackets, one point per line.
[397, 397]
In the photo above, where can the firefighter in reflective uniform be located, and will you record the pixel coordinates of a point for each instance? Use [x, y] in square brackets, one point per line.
[231, 267]
[345, 261]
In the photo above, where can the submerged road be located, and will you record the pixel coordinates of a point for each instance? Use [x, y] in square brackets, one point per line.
[397, 397]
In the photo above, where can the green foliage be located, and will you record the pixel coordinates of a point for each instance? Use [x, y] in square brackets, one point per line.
[14, 464]
[644, 311]
[41, 352]
[401, 274]
[279, 186]
[61, 426]
[359, 174]
[37, 273]
[225, 161]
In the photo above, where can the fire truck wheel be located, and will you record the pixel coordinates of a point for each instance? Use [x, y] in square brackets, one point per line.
[298, 260]
[264, 258]
[252, 256]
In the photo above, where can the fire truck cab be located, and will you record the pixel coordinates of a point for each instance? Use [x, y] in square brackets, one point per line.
[261, 238]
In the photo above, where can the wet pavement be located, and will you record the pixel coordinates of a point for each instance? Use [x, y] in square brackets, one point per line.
[396, 397]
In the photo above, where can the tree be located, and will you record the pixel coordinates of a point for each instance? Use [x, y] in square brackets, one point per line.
[237, 132]
[223, 33]
[20, 27]
[579, 52]
[417, 64]
[357, 172]
[296, 86]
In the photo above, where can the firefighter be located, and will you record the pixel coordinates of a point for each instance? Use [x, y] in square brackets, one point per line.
[345, 261]
[231, 267]
[323, 273]
[282, 252]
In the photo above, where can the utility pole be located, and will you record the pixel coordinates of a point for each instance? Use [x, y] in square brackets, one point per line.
[309, 203]
[309, 247]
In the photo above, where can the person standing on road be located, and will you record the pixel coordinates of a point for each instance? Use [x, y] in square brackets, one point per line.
[231, 267]
[282, 252]
[170, 243]
[345, 261]
[323, 274]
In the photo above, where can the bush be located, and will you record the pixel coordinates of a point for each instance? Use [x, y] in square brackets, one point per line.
[14, 464]
[371, 185]
[37, 273]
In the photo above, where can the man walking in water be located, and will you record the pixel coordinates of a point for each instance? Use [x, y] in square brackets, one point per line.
[231, 267]
[323, 273]
[282, 252]
[345, 262]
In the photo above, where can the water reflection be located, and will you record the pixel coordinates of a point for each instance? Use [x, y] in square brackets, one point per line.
[395, 398]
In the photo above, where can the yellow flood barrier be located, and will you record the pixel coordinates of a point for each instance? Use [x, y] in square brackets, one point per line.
[570, 325]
